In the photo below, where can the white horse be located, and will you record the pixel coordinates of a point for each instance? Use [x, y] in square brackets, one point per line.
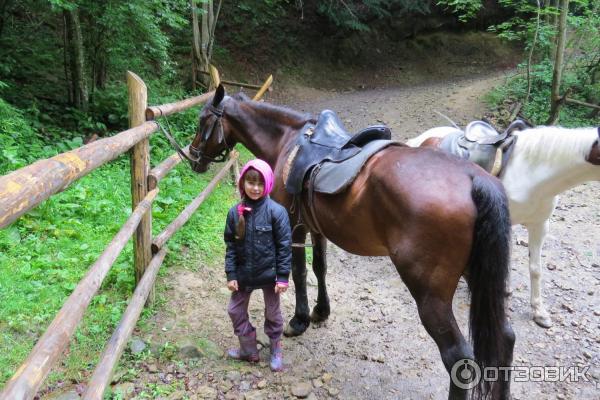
[545, 162]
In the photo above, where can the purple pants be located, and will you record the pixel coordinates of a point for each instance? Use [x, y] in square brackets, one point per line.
[238, 312]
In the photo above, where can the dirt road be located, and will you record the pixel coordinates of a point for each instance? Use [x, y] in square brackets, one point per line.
[374, 346]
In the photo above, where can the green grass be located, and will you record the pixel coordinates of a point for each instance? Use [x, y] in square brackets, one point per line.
[45, 253]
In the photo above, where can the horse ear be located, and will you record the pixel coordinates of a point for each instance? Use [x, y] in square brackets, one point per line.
[219, 95]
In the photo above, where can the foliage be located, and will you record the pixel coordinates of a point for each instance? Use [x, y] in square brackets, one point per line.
[14, 132]
[258, 14]
[246, 24]
[466, 9]
[581, 63]
[537, 109]
[357, 14]
[118, 36]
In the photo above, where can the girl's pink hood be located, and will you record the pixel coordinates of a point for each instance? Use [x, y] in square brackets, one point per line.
[264, 169]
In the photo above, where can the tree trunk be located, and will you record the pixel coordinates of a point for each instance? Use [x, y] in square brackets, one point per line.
[207, 17]
[66, 63]
[196, 50]
[76, 59]
[98, 61]
[553, 21]
[100, 73]
[555, 98]
[593, 97]
[204, 32]
[555, 4]
[3, 7]
[213, 25]
[529, 59]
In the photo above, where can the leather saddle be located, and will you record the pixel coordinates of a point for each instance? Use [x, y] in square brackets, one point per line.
[483, 145]
[327, 140]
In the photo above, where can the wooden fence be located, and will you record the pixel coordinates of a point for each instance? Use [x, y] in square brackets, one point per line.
[24, 189]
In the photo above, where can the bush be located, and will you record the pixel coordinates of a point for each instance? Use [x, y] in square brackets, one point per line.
[20, 143]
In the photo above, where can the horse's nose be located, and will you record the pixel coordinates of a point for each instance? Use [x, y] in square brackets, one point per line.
[199, 167]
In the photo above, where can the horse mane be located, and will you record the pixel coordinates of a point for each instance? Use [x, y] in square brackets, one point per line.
[241, 96]
[554, 143]
[277, 113]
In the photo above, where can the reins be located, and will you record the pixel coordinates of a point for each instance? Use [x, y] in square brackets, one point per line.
[195, 154]
[176, 146]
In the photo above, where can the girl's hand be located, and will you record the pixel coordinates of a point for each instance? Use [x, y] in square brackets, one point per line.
[280, 288]
[233, 286]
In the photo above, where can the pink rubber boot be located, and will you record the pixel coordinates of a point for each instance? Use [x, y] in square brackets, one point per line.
[247, 351]
[276, 363]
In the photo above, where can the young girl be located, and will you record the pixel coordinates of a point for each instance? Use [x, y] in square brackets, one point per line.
[258, 256]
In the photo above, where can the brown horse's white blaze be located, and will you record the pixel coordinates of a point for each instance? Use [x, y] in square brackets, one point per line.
[436, 217]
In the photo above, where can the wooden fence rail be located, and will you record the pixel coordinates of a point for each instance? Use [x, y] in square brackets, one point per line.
[28, 378]
[24, 189]
[185, 215]
[171, 108]
[113, 350]
[161, 170]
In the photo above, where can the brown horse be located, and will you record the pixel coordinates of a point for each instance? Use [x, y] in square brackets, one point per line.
[437, 218]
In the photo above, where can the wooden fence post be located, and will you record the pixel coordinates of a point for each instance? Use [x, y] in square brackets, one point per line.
[215, 79]
[140, 167]
[263, 88]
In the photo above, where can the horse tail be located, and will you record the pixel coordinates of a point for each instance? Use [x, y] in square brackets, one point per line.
[488, 273]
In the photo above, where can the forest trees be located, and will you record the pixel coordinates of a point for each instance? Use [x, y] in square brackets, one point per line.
[565, 64]
[203, 28]
[357, 14]
[59, 53]
[59, 58]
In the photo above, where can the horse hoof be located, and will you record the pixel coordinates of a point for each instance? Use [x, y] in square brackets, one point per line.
[543, 320]
[289, 331]
[295, 328]
[316, 316]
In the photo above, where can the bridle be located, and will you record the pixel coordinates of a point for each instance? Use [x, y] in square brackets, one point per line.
[217, 124]
[196, 155]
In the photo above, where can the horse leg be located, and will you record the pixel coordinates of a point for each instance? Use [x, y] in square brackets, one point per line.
[457, 355]
[504, 374]
[537, 234]
[321, 311]
[434, 304]
[438, 319]
[300, 321]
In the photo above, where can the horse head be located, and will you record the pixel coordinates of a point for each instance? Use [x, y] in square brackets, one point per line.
[594, 156]
[212, 142]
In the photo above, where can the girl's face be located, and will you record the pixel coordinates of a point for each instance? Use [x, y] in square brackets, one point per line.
[254, 185]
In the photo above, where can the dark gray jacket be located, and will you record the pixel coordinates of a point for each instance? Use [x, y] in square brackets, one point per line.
[264, 256]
